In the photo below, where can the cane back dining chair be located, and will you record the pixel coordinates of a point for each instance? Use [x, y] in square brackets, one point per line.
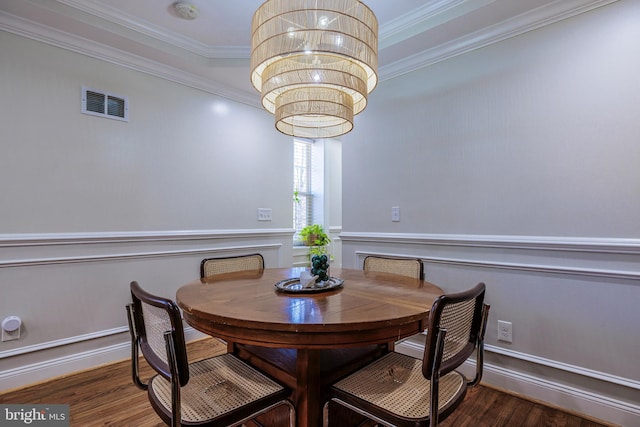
[214, 266]
[411, 267]
[399, 390]
[218, 391]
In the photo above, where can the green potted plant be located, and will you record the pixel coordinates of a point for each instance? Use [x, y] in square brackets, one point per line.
[314, 236]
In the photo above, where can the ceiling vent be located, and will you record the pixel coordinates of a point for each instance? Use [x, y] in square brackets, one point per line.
[104, 104]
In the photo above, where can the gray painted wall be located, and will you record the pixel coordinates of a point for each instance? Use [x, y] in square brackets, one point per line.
[517, 165]
[89, 204]
[536, 135]
[169, 168]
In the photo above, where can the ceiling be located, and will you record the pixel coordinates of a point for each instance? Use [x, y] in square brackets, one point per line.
[212, 51]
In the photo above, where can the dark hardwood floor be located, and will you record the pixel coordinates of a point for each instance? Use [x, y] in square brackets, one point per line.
[106, 396]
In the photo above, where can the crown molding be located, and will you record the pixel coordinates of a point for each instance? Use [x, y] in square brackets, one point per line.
[425, 17]
[529, 21]
[55, 37]
[408, 25]
[115, 16]
[394, 32]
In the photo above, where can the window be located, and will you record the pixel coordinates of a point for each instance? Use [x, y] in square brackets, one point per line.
[302, 186]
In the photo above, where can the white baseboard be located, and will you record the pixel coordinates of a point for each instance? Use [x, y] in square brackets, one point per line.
[546, 390]
[561, 395]
[52, 368]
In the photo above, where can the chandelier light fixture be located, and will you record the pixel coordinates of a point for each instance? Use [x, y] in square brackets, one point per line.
[314, 63]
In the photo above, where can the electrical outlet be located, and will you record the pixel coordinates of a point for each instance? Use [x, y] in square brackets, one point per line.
[264, 214]
[9, 336]
[505, 333]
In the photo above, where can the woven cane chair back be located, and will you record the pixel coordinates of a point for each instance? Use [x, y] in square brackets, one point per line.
[403, 266]
[215, 266]
[461, 316]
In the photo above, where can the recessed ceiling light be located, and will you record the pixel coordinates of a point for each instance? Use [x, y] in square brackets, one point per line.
[185, 10]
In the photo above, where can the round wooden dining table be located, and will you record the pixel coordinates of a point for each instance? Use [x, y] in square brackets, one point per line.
[308, 339]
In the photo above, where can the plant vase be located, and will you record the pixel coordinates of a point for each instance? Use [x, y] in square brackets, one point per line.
[320, 267]
[311, 239]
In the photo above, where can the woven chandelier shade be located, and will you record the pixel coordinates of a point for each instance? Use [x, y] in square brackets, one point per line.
[314, 63]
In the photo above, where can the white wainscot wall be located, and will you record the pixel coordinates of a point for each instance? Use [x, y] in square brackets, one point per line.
[70, 290]
[572, 303]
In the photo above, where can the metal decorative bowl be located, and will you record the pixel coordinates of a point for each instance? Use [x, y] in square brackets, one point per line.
[295, 287]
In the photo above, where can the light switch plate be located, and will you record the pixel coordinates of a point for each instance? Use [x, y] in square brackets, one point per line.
[264, 214]
[395, 214]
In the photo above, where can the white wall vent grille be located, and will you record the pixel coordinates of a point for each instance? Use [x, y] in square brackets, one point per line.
[104, 104]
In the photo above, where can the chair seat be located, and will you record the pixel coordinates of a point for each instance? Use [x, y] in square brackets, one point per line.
[395, 383]
[217, 386]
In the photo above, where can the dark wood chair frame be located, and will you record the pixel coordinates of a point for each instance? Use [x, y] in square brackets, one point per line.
[176, 371]
[433, 366]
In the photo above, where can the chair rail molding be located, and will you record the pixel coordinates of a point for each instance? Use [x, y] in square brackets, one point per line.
[548, 243]
[38, 239]
[23, 250]
[540, 268]
[130, 255]
[619, 257]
